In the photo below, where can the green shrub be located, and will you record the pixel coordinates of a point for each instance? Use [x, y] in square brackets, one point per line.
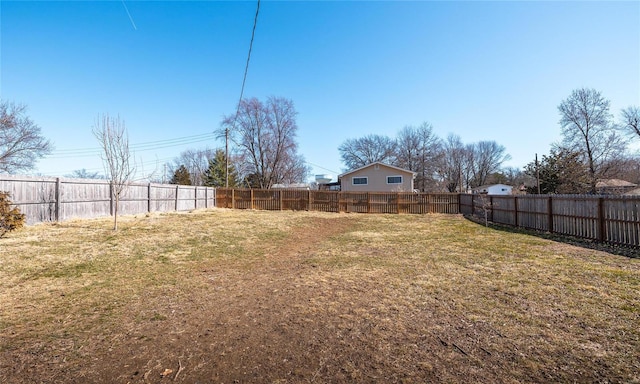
[10, 218]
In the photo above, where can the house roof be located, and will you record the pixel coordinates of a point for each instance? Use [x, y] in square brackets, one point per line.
[492, 185]
[633, 192]
[378, 163]
[617, 183]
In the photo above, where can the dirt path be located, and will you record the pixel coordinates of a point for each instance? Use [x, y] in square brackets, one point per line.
[285, 321]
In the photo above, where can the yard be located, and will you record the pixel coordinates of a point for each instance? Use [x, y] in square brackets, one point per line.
[224, 296]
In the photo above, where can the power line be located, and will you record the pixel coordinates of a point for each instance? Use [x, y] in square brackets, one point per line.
[244, 80]
[139, 147]
[246, 68]
[142, 163]
[317, 166]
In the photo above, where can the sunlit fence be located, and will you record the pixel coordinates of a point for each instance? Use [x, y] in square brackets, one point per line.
[332, 201]
[612, 219]
[57, 199]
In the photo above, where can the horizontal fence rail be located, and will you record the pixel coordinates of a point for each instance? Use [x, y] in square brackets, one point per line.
[611, 219]
[58, 199]
[333, 201]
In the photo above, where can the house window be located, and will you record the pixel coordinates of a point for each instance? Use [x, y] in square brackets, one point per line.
[360, 180]
[394, 179]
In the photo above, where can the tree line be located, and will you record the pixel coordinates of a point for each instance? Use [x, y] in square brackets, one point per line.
[261, 150]
[593, 147]
[440, 164]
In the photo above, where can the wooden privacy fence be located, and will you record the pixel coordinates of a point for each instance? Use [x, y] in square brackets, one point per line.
[333, 201]
[57, 199]
[612, 219]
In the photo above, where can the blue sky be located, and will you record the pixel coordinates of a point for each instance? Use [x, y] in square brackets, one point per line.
[481, 70]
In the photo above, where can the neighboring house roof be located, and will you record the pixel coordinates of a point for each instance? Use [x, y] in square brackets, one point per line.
[633, 192]
[614, 183]
[378, 163]
[492, 185]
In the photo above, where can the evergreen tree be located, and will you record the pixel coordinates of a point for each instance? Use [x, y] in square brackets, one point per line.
[215, 175]
[181, 176]
[560, 172]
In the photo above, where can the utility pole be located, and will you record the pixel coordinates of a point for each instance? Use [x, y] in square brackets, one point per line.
[226, 157]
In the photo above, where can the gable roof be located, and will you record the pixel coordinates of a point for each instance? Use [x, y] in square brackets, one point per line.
[378, 163]
[614, 183]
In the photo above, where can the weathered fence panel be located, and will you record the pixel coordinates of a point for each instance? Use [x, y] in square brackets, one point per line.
[81, 198]
[612, 219]
[52, 199]
[324, 201]
[334, 201]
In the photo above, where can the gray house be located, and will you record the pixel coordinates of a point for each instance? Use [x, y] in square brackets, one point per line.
[377, 177]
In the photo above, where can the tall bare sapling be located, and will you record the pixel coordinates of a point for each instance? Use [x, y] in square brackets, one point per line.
[116, 157]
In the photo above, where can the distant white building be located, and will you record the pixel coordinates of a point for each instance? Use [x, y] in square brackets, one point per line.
[493, 189]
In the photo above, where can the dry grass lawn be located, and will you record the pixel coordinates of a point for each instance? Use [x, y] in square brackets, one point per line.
[224, 296]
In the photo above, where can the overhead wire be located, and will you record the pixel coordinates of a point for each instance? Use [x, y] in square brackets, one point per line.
[244, 80]
[152, 145]
[323, 168]
[138, 147]
[246, 68]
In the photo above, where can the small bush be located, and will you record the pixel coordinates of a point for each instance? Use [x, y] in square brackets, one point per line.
[10, 218]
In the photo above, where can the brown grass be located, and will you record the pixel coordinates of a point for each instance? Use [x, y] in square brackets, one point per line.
[253, 296]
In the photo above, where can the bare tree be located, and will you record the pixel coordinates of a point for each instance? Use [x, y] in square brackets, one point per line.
[587, 129]
[487, 158]
[265, 133]
[631, 121]
[517, 177]
[117, 159]
[20, 141]
[356, 153]
[452, 163]
[419, 150]
[84, 174]
[196, 161]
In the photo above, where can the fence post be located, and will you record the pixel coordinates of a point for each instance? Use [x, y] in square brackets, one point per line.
[177, 194]
[206, 197]
[309, 200]
[195, 196]
[368, 202]
[550, 213]
[601, 227]
[251, 197]
[515, 210]
[280, 198]
[57, 202]
[491, 206]
[149, 197]
[233, 198]
[473, 208]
